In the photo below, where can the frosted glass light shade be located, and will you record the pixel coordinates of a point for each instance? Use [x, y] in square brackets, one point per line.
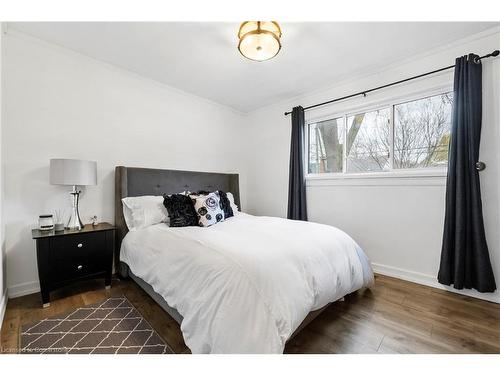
[73, 172]
[259, 40]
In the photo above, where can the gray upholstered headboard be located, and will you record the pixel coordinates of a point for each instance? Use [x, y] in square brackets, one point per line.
[133, 182]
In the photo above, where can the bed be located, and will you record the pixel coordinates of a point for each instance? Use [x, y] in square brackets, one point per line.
[245, 285]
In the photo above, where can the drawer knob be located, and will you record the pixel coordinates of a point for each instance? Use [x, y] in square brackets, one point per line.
[79, 245]
[79, 267]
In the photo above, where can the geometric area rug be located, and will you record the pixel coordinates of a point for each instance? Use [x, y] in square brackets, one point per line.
[111, 326]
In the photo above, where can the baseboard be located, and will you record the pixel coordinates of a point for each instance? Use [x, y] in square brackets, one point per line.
[430, 280]
[3, 306]
[23, 289]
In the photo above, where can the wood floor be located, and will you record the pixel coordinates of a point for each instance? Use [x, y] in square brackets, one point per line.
[394, 316]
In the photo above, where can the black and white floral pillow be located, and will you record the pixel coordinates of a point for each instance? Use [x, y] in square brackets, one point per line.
[208, 208]
[225, 202]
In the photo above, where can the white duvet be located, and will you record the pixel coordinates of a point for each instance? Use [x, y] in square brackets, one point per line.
[244, 285]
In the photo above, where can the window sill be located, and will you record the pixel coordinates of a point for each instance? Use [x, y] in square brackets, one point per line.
[428, 177]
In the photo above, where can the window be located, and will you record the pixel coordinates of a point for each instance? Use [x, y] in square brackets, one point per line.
[408, 135]
[368, 138]
[422, 132]
[326, 146]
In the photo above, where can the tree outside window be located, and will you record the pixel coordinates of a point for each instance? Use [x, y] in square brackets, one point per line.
[419, 138]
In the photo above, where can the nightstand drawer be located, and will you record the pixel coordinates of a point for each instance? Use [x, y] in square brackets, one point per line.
[78, 246]
[75, 268]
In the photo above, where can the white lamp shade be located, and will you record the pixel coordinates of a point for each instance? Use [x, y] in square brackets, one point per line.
[73, 172]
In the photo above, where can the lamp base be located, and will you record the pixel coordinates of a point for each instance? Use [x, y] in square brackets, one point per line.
[75, 223]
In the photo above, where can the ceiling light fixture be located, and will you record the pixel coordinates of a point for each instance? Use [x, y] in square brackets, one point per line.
[259, 40]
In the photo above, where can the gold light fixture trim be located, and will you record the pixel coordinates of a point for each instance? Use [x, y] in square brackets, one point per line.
[259, 40]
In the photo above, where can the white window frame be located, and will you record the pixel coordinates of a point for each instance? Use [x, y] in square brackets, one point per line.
[392, 173]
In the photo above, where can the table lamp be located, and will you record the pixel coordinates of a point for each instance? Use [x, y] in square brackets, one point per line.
[73, 172]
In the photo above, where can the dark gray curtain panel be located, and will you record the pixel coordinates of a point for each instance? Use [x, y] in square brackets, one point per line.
[297, 209]
[465, 261]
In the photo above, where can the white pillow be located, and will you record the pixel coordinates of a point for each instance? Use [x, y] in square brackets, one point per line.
[208, 209]
[230, 196]
[141, 212]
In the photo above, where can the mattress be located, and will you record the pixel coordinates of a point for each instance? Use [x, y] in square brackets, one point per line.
[244, 285]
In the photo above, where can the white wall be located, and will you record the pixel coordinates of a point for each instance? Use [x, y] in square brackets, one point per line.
[397, 221]
[3, 274]
[61, 104]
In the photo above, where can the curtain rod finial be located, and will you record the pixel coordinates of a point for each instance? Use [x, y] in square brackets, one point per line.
[495, 53]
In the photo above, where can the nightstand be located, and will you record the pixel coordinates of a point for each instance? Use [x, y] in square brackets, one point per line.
[70, 256]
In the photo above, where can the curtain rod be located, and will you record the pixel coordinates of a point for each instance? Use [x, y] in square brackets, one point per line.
[493, 54]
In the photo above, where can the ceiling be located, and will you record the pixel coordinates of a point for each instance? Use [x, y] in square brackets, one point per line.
[202, 58]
